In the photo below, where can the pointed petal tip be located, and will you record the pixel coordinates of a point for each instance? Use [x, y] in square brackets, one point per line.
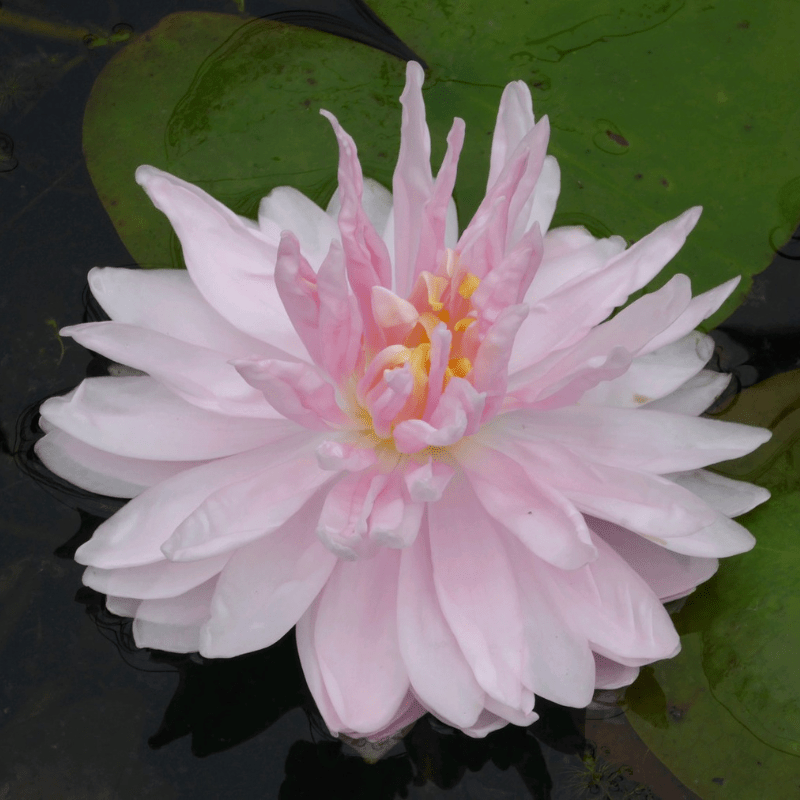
[415, 73]
[691, 216]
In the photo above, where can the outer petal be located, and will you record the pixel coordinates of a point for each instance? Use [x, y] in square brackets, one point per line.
[611, 675]
[166, 301]
[655, 375]
[731, 498]
[562, 318]
[695, 396]
[652, 441]
[545, 522]
[355, 637]
[198, 375]
[136, 417]
[609, 604]
[248, 509]
[287, 209]
[267, 586]
[514, 119]
[134, 535]
[230, 262]
[477, 592]
[153, 581]
[174, 624]
[557, 663]
[439, 673]
[101, 472]
[668, 574]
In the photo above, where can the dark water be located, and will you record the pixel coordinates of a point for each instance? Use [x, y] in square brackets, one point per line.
[84, 713]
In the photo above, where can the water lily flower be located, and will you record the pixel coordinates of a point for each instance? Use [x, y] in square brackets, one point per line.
[440, 455]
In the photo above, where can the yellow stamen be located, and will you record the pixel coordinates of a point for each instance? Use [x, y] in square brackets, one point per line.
[436, 285]
[460, 367]
[469, 285]
[463, 324]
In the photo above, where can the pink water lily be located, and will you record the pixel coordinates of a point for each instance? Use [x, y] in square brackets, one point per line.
[437, 455]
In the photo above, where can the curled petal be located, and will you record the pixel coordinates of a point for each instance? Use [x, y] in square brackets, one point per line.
[343, 523]
[296, 390]
[427, 482]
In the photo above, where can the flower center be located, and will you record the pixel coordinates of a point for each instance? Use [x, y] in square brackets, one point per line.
[429, 339]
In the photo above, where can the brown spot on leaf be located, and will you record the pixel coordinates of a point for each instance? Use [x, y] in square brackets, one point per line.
[618, 138]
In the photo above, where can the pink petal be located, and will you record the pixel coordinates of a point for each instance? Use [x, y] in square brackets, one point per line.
[122, 606]
[654, 375]
[647, 504]
[229, 261]
[476, 591]
[433, 222]
[309, 660]
[343, 523]
[720, 539]
[134, 535]
[608, 603]
[394, 521]
[570, 253]
[439, 673]
[287, 209]
[639, 439]
[427, 482]
[267, 586]
[557, 661]
[611, 675]
[340, 321]
[731, 498]
[296, 284]
[668, 574]
[457, 414]
[136, 417]
[490, 368]
[514, 120]
[569, 313]
[700, 308]
[632, 328]
[153, 581]
[173, 624]
[694, 396]
[540, 518]
[507, 284]
[166, 301]
[388, 398]
[413, 183]
[545, 196]
[366, 255]
[295, 390]
[355, 637]
[377, 203]
[102, 472]
[249, 508]
[337, 456]
[198, 375]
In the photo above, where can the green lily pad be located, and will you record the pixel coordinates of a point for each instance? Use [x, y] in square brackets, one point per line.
[736, 681]
[233, 105]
